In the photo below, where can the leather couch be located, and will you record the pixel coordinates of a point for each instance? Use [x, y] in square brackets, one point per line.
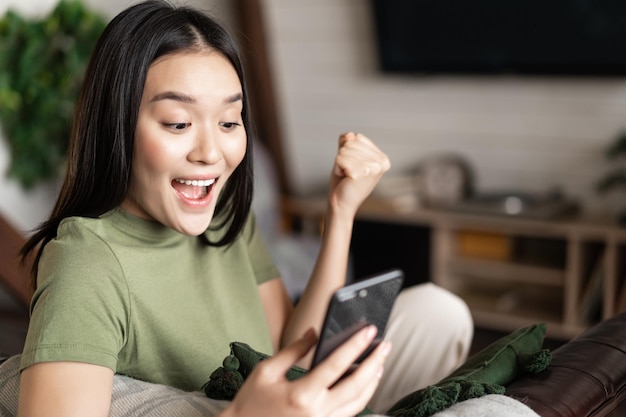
[586, 378]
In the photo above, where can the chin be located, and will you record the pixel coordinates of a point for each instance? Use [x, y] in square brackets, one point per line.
[194, 226]
[192, 229]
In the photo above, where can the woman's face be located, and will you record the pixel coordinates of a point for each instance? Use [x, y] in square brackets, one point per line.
[188, 141]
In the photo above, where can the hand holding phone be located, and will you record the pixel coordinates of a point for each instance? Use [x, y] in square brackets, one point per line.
[368, 301]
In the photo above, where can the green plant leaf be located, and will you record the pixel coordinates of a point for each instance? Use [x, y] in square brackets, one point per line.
[42, 64]
[612, 180]
[618, 147]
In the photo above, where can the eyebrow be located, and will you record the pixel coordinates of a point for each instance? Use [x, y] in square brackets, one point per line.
[234, 98]
[184, 98]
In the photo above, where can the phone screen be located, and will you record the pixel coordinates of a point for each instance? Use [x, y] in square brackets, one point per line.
[368, 301]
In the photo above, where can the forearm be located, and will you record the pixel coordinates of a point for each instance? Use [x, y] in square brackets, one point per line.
[358, 167]
[328, 275]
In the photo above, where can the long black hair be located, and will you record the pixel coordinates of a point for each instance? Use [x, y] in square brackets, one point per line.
[101, 144]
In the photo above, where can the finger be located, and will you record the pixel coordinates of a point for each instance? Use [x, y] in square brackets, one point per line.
[353, 140]
[369, 148]
[358, 162]
[365, 379]
[358, 149]
[352, 136]
[340, 360]
[346, 137]
[343, 139]
[352, 145]
[355, 169]
[371, 368]
[288, 356]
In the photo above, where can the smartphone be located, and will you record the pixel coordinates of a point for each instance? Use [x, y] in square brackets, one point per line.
[364, 302]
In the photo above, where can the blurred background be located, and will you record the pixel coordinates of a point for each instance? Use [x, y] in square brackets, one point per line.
[532, 117]
[521, 132]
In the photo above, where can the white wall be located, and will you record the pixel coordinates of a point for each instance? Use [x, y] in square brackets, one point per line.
[524, 134]
[26, 209]
[528, 134]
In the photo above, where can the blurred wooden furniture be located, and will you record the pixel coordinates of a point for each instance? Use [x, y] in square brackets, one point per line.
[569, 273]
[259, 73]
[12, 275]
[15, 291]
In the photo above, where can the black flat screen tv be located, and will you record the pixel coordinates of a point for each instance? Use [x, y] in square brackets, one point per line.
[540, 37]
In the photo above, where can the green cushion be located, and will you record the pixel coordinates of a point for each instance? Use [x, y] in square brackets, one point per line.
[248, 358]
[487, 372]
[226, 380]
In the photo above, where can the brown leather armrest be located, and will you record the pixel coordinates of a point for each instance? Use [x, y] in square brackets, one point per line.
[587, 376]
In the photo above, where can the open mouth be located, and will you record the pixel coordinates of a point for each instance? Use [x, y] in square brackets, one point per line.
[193, 189]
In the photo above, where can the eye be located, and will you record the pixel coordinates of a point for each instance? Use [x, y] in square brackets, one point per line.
[230, 125]
[177, 126]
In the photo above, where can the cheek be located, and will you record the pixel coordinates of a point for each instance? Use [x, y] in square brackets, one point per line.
[234, 151]
[151, 156]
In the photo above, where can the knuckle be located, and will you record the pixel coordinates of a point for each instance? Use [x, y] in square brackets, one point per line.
[336, 364]
[263, 369]
[298, 398]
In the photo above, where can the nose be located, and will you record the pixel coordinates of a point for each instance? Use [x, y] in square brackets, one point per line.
[206, 148]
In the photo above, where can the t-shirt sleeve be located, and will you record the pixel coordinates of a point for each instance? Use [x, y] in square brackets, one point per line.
[262, 263]
[80, 310]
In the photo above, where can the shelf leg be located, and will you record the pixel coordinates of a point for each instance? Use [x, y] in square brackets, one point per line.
[573, 282]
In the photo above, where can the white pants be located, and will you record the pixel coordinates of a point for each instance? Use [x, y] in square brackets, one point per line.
[431, 332]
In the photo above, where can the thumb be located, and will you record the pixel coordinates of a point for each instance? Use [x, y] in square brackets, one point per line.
[343, 139]
[287, 357]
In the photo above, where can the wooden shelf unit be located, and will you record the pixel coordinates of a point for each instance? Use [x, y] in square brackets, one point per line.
[556, 271]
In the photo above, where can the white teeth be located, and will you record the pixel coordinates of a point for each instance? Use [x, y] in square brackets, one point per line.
[197, 183]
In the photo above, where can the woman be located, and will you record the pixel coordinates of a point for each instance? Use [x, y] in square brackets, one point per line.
[151, 263]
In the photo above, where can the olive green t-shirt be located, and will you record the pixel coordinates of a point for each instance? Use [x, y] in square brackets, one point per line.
[145, 300]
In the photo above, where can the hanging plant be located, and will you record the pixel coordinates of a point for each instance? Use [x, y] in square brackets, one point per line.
[615, 178]
[41, 67]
